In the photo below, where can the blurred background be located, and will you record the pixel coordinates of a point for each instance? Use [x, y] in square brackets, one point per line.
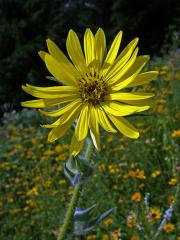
[25, 25]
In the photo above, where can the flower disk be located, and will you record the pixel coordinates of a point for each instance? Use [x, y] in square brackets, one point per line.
[90, 89]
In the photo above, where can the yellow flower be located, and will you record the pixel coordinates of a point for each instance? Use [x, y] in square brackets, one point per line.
[48, 183]
[169, 227]
[136, 197]
[92, 89]
[154, 214]
[133, 237]
[131, 220]
[15, 211]
[62, 182]
[170, 199]
[176, 134]
[33, 191]
[30, 202]
[172, 181]
[10, 199]
[116, 234]
[155, 174]
[105, 237]
[108, 221]
[91, 237]
[58, 149]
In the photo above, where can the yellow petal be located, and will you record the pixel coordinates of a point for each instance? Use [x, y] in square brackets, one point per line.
[60, 130]
[140, 102]
[55, 89]
[96, 139]
[93, 119]
[143, 78]
[75, 51]
[82, 124]
[124, 127]
[100, 45]
[123, 57]
[112, 79]
[43, 103]
[112, 53]
[59, 71]
[94, 127]
[129, 96]
[119, 109]
[59, 56]
[61, 111]
[74, 113]
[76, 146]
[49, 95]
[104, 122]
[89, 46]
[131, 73]
[137, 66]
[42, 55]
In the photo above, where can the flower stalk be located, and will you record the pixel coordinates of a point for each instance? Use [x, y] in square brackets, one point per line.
[68, 221]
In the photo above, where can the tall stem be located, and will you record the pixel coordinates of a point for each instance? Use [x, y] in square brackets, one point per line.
[72, 205]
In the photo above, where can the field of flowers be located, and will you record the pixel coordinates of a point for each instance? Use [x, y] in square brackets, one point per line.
[138, 177]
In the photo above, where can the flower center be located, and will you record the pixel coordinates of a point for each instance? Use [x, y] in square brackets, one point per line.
[92, 88]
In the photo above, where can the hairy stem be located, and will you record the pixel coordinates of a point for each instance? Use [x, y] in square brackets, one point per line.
[73, 203]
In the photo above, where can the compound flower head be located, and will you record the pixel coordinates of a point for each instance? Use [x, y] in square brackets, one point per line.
[92, 88]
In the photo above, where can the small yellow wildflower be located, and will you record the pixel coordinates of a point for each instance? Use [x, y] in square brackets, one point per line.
[105, 237]
[26, 209]
[113, 169]
[108, 221]
[43, 158]
[154, 214]
[155, 174]
[110, 138]
[15, 211]
[91, 237]
[176, 134]
[131, 220]
[172, 181]
[102, 167]
[62, 182]
[34, 191]
[161, 101]
[170, 199]
[34, 140]
[133, 165]
[136, 197]
[169, 227]
[48, 152]
[48, 183]
[10, 199]
[141, 186]
[58, 148]
[30, 202]
[116, 234]
[133, 237]
[139, 174]
[115, 187]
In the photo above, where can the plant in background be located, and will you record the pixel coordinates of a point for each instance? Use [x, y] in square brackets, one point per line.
[92, 95]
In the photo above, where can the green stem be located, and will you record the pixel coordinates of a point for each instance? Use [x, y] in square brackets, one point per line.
[72, 205]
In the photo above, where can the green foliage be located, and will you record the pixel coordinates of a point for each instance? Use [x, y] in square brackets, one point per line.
[34, 192]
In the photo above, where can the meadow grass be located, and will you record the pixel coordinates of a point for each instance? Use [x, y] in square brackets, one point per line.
[34, 191]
